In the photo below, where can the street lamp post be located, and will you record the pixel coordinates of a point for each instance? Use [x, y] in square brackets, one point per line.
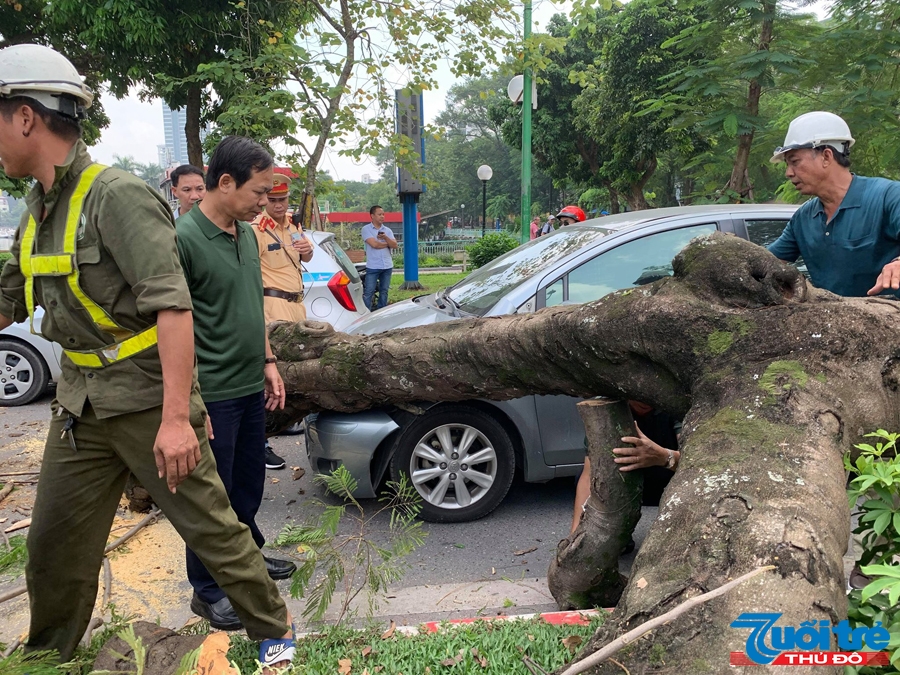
[462, 216]
[484, 174]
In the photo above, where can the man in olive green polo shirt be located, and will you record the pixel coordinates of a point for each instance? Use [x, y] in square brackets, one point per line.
[114, 298]
[238, 376]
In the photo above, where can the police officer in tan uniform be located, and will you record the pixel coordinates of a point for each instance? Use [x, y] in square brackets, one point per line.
[96, 249]
[282, 247]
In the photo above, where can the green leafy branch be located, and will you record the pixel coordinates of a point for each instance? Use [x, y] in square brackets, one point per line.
[349, 557]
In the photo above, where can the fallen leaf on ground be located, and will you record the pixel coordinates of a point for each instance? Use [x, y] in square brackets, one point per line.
[572, 643]
[530, 638]
[345, 666]
[641, 583]
[299, 472]
[275, 480]
[453, 660]
[524, 551]
[213, 656]
[366, 651]
[389, 633]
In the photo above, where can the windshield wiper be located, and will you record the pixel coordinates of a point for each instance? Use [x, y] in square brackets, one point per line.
[441, 299]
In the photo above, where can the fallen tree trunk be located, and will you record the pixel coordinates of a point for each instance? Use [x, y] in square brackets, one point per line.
[775, 381]
[585, 570]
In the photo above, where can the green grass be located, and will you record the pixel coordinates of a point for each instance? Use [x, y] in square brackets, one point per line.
[501, 643]
[12, 559]
[431, 282]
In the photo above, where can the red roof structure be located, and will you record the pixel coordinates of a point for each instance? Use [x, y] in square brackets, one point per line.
[363, 217]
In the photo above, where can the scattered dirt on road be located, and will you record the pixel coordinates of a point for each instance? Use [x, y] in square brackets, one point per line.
[148, 570]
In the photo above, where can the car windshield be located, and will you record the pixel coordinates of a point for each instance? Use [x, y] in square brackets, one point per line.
[481, 290]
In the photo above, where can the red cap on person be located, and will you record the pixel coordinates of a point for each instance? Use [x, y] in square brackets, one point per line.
[280, 189]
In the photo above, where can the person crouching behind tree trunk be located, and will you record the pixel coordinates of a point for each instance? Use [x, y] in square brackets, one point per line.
[654, 450]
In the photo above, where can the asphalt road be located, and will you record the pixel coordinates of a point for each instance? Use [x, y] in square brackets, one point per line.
[497, 564]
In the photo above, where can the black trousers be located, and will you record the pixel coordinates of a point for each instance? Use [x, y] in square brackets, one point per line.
[238, 446]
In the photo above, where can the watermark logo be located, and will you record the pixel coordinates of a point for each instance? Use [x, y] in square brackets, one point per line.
[809, 643]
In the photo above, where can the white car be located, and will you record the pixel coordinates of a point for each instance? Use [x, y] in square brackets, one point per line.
[333, 292]
[29, 364]
[332, 288]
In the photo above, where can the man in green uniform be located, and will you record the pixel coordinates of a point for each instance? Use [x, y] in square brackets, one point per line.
[96, 249]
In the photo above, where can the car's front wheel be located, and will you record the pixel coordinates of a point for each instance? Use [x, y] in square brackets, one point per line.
[459, 459]
[23, 374]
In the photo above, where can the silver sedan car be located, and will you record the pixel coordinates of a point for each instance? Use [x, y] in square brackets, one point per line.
[461, 456]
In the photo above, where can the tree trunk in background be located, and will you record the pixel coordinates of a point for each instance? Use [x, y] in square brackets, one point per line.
[740, 179]
[192, 126]
[585, 571]
[775, 381]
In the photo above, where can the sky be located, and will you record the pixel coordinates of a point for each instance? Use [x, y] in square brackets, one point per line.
[136, 127]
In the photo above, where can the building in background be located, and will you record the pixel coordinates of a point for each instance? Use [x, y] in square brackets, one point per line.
[176, 139]
[164, 156]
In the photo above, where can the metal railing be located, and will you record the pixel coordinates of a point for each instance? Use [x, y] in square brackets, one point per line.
[436, 247]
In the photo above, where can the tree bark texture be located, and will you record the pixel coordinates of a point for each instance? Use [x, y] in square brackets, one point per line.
[775, 380]
[192, 125]
[585, 571]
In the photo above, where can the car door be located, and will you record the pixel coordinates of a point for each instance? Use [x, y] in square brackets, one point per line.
[639, 261]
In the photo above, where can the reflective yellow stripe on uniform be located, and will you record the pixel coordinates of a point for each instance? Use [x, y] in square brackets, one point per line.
[99, 358]
[65, 264]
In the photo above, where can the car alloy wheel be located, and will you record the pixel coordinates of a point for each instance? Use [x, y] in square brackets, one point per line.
[460, 461]
[23, 374]
[453, 466]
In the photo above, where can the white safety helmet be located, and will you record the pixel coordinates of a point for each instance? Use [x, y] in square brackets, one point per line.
[46, 76]
[813, 130]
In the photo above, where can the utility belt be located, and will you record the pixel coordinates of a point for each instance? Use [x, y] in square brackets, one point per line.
[284, 295]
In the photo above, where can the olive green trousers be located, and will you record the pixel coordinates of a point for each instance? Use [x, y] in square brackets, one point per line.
[77, 497]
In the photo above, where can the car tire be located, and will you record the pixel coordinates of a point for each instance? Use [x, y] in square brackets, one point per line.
[454, 482]
[23, 373]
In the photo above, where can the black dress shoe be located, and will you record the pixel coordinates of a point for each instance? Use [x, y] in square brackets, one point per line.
[279, 569]
[220, 614]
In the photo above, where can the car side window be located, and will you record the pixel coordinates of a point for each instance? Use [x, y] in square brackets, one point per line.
[638, 262]
[764, 232]
[555, 293]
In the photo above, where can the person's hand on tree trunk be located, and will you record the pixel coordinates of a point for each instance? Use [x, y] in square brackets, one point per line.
[889, 278]
[645, 452]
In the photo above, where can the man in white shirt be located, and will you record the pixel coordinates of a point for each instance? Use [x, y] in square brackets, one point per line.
[379, 242]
